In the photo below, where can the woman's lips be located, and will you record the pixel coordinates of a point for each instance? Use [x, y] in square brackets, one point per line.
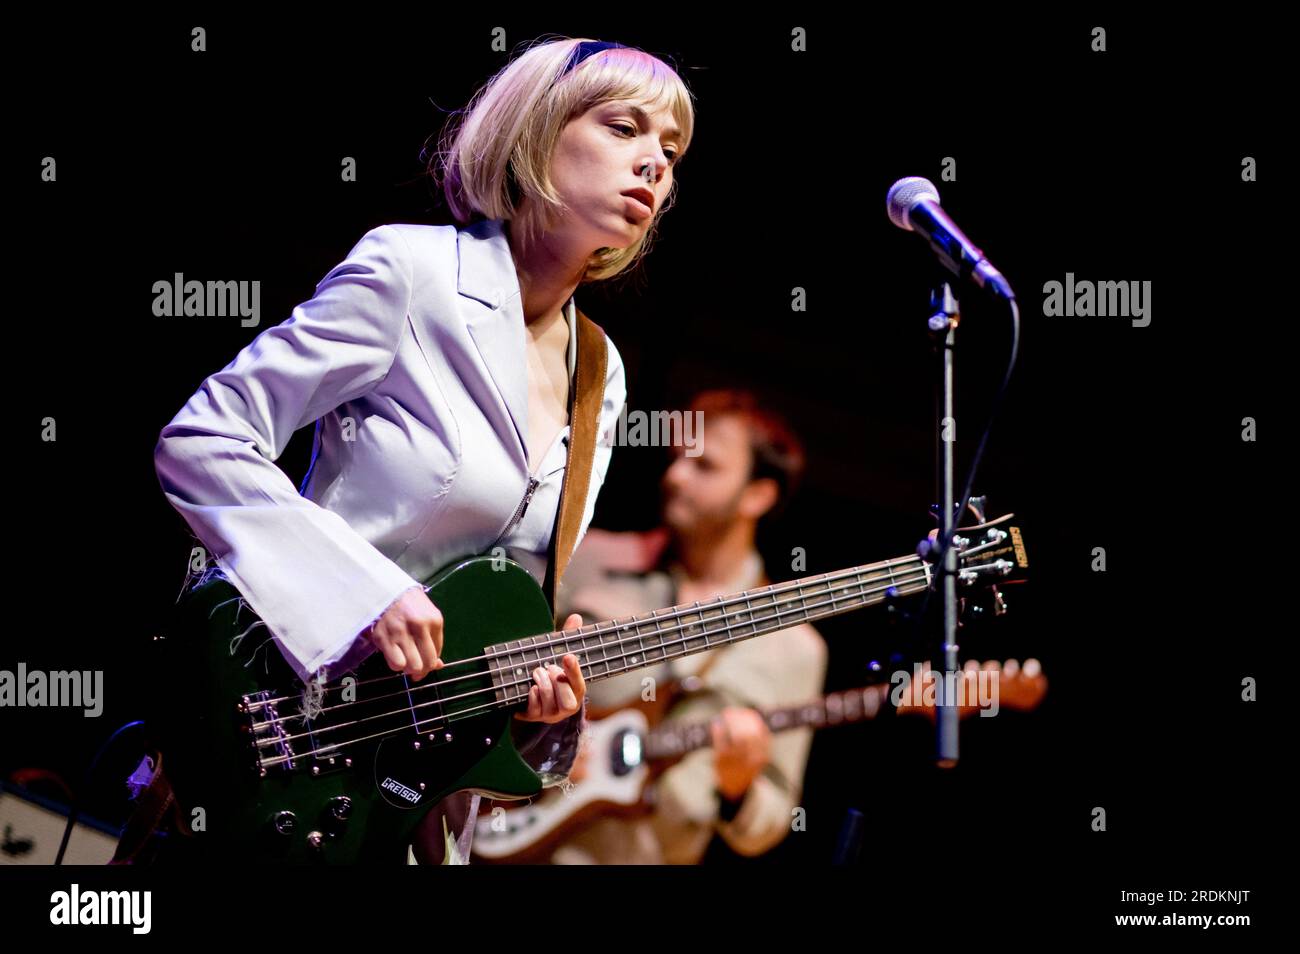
[638, 207]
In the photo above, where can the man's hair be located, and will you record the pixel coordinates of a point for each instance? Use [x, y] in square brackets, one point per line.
[777, 452]
[498, 149]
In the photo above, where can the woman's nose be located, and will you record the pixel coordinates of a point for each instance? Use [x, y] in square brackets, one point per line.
[648, 169]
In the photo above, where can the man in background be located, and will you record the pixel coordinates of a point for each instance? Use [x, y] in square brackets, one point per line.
[746, 787]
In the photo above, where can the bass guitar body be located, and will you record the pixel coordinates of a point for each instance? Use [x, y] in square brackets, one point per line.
[268, 769]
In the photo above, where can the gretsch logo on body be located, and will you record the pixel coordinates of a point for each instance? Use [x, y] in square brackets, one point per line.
[400, 790]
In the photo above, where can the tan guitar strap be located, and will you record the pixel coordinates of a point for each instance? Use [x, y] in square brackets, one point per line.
[585, 400]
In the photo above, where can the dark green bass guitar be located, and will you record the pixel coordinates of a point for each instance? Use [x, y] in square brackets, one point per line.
[342, 771]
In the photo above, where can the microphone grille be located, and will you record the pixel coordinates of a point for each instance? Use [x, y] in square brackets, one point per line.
[904, 194]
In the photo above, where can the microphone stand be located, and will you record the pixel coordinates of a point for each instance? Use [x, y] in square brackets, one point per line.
[943, 333]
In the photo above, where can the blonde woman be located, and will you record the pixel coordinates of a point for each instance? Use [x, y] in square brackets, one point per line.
[437, 363]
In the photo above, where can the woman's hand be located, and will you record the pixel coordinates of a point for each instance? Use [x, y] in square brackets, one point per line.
[409, 634]
[557, 693]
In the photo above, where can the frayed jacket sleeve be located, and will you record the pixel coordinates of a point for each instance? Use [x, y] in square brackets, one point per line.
[550, 749]
[314, 581]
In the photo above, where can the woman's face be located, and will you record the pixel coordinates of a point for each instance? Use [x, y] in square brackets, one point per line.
[614, 149]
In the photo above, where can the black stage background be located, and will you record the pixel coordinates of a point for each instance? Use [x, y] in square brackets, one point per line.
[1123, 165]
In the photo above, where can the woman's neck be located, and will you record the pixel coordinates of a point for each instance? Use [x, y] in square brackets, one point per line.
[549, 271]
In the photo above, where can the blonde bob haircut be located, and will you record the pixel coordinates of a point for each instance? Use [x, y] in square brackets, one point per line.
[497, 150]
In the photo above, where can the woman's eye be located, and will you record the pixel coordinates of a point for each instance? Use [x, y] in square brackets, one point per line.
[631, 131]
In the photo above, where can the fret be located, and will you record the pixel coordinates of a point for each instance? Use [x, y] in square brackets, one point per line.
[704, 625]
[686, 648]
[589, 659]
[871, 593]
[615, 665]
[778, 604]
[599, 633]
[788, 605]
[525, 647]
[825, 590]
[749, 612]
[749, 606]
[522, 651]
[803, 601]
[762, 624]
[628, 634]
[504, 668]
[566, 645]
[522, 677]
[881, 591]
[659, 634]
[634, 652]
[541, 654]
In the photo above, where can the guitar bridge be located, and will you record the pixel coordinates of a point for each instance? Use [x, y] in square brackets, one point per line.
[271, 741]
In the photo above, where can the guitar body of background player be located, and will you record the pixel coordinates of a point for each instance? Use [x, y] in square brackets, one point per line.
[744, 787]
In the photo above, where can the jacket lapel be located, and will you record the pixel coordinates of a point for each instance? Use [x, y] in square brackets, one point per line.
[487, 281]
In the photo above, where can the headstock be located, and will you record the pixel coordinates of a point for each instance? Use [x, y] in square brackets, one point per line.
[989, 552]
[993, 551]
[1020, 688]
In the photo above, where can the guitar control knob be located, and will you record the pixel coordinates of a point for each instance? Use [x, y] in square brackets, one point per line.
[315, 840]
[284, 822]
[340, 808]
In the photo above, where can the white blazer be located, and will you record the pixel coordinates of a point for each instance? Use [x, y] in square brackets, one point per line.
[410, 359]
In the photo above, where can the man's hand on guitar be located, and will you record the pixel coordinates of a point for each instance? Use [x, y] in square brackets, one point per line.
[742, 743]
[409, 634]
[558, 693]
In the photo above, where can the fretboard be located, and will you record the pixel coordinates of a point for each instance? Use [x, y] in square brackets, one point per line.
[837, 708]
[623, 645]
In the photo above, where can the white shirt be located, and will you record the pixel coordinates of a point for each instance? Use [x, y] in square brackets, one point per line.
[411, 359]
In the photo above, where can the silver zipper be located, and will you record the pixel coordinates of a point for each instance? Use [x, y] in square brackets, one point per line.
[519, 511]
[533, 482]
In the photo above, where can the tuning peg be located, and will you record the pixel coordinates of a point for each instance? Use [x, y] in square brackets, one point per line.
[934, 510]
[978, 506]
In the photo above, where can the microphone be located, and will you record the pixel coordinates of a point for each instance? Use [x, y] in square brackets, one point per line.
[913, 204]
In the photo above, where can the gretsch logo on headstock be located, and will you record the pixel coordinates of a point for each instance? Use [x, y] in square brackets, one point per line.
[400, 790]
[1022, 558]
